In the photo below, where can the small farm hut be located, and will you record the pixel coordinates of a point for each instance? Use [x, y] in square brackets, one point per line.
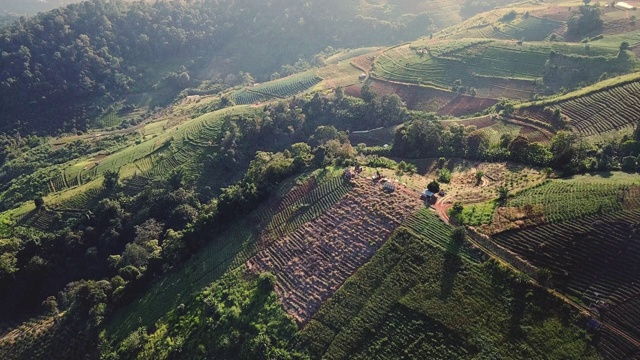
[428, 195]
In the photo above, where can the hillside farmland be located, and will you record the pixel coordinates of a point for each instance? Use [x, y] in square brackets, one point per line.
[312, 262]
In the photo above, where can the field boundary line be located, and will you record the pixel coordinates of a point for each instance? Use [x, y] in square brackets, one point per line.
[474, 239]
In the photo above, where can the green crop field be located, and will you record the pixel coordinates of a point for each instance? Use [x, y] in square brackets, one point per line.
[349, 54]
[528, 28]
[155, 157]
[281, 88]
[416, 301]
[613, 41]
[245, 97]
[478, 214]
[419, 69]
[480, 63]
[495, 131]
[174, 148]
[568, 200]
[109, 120]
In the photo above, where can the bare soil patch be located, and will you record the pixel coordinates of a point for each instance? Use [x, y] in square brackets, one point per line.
[479, 122]
[511, 218]
[466, 105]
[312, 263]
[416, 97]
[497, 88]
[620, 26]
[363, 62]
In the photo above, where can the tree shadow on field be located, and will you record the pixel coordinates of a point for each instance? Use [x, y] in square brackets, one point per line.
[451, 266]
[517, 310]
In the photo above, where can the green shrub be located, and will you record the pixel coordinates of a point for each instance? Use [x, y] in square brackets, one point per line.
[444, 175]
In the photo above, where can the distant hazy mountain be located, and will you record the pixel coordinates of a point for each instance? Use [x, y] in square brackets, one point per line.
[30, 7]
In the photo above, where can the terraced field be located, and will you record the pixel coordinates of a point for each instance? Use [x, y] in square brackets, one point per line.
[280, 89]
[479, 122]
[42, 220]
[466, 105]
[493, 128]
[41, 338]
[245, 97]
[81, 201]
[594, 258]
[483, 64]
[566, 200]
[313, 261]
[421, 302]
[154, 157]
[610, 109]
[106, 121]
[415, 97]
[495, 131]
[395, 66]
[530, 28]
[349, 54]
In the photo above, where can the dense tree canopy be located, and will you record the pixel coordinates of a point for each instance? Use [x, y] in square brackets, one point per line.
[54, 66]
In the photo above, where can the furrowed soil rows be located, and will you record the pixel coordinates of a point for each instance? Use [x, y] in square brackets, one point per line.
[466, 105]
[590, 259]
[615, 108]
[479, 122]
[313, 261]
[564, 200]
[415, 97]
[534, 135]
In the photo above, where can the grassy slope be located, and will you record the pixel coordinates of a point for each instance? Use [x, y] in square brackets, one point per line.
[476, 62]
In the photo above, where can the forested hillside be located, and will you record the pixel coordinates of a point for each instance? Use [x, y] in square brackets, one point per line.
[55, 63]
